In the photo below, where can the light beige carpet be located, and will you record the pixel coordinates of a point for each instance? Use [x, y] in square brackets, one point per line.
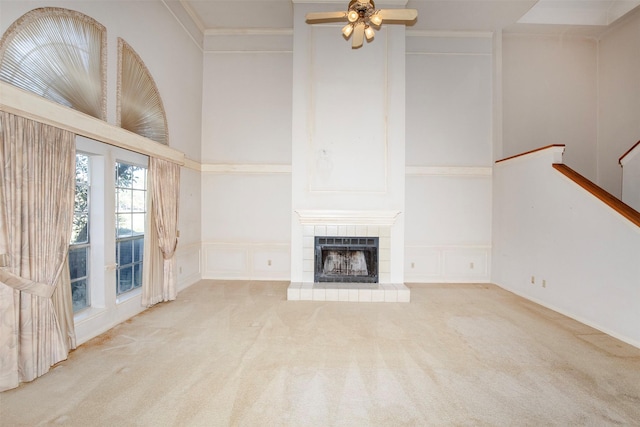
[238, 353]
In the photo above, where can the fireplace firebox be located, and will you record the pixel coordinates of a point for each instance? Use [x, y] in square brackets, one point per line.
[346, 259]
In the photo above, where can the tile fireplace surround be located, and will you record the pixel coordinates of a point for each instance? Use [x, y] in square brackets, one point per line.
[332, 225]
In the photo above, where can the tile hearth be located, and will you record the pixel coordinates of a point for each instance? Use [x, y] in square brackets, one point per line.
[348, 292]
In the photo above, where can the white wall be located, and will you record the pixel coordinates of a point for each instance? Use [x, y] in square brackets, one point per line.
[550, 97]
[245, 226]
[618, 99]
[188, 252]
[448, 158]
[246, 107]
[556, 244]
[246, 157]
[631, 177]
[448, 154]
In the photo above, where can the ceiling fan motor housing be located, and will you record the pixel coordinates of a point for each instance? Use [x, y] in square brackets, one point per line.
[364, 9]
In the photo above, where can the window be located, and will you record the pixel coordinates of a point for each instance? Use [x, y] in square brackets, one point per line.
[131, 208]
[58, 54]
[79, 245]
[139, 102]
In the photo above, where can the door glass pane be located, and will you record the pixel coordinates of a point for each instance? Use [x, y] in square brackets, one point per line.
[138, 249]
[137, 279]
[124, 225]
[80, 295]
[124, 174]
[138, 200]
[137, 223]
[125, 279]
[139, 178]
[125, 252]
[79, 248]
[80, 231]
[80, 228]
[78, 262]
[131, 205]
[124, 200]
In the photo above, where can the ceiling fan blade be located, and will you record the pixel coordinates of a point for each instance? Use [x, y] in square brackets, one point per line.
[398, 14]
[358, 36]
[326, 16]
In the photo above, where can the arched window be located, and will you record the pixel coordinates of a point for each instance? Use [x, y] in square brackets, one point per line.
[59, 54]
[140, 107]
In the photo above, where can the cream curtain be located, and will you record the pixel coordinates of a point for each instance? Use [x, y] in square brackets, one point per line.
[36, 202]
[164, 189]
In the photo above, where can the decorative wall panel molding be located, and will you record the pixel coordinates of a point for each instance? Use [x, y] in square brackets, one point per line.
[246, 261]
[188, 261]
[447, 264]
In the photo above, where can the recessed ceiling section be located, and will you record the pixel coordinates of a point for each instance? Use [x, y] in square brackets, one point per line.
[578, 12]
[216, 17]
[218, 14]
[467, 15]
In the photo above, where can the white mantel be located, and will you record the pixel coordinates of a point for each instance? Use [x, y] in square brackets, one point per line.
[338, 217]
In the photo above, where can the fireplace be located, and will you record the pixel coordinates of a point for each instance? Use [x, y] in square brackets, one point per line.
[346, 259]
[334, 230]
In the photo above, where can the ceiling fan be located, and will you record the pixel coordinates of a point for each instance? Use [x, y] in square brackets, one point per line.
[362, 17]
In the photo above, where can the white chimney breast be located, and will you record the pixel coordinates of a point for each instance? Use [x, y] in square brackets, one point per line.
[348, 155]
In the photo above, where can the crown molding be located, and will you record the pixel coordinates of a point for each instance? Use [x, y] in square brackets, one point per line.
[449, 170]
[449, 34]
[244, 169]
[249, 32]
[378, 3]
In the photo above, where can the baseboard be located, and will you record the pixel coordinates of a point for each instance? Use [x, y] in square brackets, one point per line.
[580, 319]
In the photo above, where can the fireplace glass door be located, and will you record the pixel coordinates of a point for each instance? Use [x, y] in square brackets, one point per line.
[346, 259]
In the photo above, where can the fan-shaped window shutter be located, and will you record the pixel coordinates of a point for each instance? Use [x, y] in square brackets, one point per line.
[140, 107]
[59, 54]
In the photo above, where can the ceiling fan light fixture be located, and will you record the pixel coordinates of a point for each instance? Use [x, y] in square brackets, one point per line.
[347, 30]
[363, 17]
[368, 32]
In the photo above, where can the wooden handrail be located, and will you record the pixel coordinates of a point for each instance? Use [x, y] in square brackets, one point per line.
[628, 152]
[529, 152]
[616, 204]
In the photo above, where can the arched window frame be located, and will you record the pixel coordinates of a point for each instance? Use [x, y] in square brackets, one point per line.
[142, 111]
[22, 36]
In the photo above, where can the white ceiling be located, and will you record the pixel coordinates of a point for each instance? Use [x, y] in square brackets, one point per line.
[578, 12]
[433, 15]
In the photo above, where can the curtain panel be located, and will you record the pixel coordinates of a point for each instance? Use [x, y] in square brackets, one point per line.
[37, 185]
[164, 189]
